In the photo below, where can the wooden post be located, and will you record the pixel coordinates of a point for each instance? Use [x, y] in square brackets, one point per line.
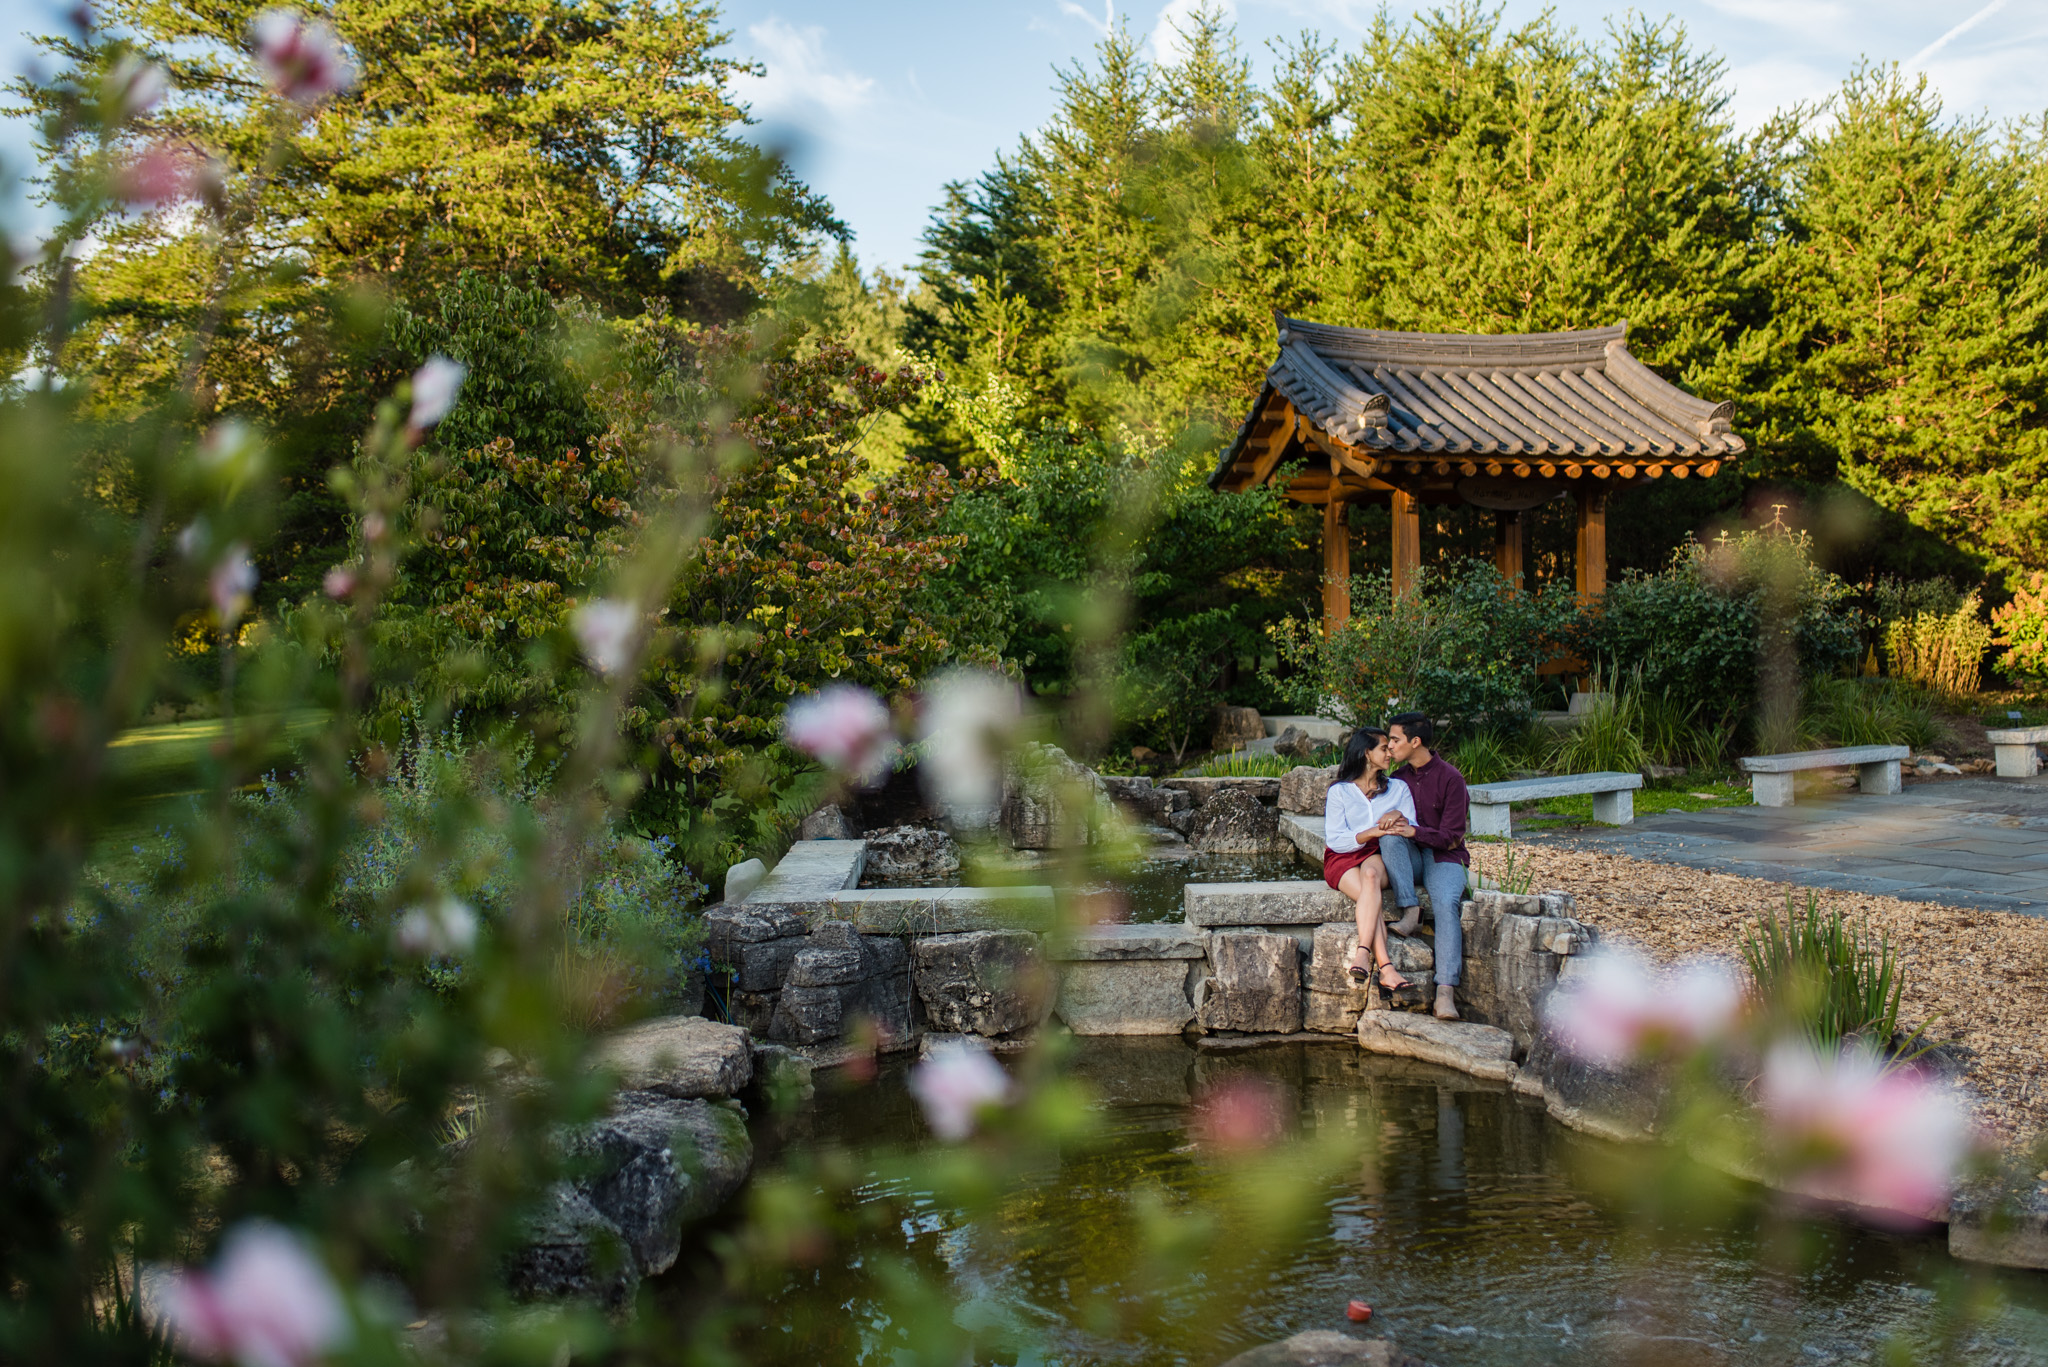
[1591, 566]
[1407, 541]
[1507, 546]
[1336, 566]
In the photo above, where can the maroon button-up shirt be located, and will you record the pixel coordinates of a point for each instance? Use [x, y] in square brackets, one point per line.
[1441, 803]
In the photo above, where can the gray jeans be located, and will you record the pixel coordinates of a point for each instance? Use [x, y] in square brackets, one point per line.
[1408, 862]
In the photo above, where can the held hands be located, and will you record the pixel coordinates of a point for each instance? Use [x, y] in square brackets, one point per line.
[1393, 823]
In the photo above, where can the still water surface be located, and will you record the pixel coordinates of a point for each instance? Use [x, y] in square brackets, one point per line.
[1468, 1220]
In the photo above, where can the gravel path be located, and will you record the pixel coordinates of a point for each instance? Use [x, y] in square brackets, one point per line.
[1981, 976]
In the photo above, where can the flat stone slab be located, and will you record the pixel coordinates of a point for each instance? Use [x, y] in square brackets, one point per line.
[939, 911]
[1202, 789]
[1306, 833]
[1308, 902]
[2020, 735]
[812, 871]
[1822, 759]
[680, 1056]
[1561, 785]
[1481, 1050]
[1113, 942]
[1328, 730]
[1325, 1348]
[1125, 996]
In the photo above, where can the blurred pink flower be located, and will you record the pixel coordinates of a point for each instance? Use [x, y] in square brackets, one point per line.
[373, 527]
[444, 928]
[1845, 1129]
[232, 581]
[435, 386]
[955, 1084]
[1240, 1115]
[267, 1302]
[169, 171]
[135, 85]
[302, 60]
[604, 628]
[969, 720]
[1621, 1011]
[339, 582]
[845, 727]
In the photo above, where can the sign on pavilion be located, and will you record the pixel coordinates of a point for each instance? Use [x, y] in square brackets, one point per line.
[1504, 422]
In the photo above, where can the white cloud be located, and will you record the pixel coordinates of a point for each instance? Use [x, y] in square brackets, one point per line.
[1761, 89]
[800, 78]
[1820, 20]
[1102, 25]
[1165, 45]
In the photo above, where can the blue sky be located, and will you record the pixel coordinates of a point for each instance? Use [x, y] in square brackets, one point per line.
[882, 103]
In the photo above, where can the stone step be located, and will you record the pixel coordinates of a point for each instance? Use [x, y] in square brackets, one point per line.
[811, 872]
[1481, 1050]
[1308, 902]
[939, 911]
[1202, 789]
[1169, 940]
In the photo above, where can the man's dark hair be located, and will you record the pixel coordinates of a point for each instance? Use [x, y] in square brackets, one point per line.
[1415, 726]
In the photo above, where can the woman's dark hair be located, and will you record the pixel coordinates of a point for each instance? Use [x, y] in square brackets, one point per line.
[1361, 744]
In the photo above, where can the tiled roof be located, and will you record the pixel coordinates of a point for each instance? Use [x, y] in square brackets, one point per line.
[1561, 395]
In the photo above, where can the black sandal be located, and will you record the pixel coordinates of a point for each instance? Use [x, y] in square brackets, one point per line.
[1360, 976]
[1382, 968]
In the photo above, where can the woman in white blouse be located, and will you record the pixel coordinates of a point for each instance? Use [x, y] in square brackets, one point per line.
[1360, 796]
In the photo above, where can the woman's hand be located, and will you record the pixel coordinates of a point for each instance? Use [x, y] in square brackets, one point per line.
[1393, 823]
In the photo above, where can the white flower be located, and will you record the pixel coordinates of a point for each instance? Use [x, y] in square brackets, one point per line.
[435, 386]
[1621, 1011]
[231, 453]
[971, 717]
[604, 628]
[444, 928]
[136, 84]
[267, 1302]
[1846, 1129]
[232, 581]
[955, 1084]
[844, 727]
[302, 61]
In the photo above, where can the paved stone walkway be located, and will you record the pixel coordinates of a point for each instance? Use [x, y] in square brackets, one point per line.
[1974, 842]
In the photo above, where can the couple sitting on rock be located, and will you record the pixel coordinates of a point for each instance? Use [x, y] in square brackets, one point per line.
[1399, 831]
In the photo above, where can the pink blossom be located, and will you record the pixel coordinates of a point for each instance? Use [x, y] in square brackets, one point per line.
[969, 719]
[1622, 1012]
[135, 85]
[446, 927]
[1844, 1128]
[232, 581]
[435, 386]
[302, 60]
[955, 1084]
[1241, 1115]
[845, 727]
[267, 1302]
[339, 582]
[373, 527]
[604, 628]
[170, 170]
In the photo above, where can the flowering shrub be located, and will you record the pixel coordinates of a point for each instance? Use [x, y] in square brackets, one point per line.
[2023, 630]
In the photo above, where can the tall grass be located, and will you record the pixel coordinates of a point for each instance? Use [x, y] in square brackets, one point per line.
[1678, 733]
[1238, 764]
[1488, 756]
[1866, 712]
[1608, 738]
[1829, 979]
[1933, 635]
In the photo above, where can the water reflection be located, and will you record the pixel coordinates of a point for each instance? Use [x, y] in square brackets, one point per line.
[1469, 1221]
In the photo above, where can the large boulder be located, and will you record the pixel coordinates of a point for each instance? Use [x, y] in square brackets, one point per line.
[1481, 1050]
[1235, 822]
[1254, 983]
[568, 1250]
[828, 823]
[680, 1056]
[912, 852]
[1051, 801]
[982, 982]
[1326, 1348]
[1237, 727]
[1304, 788]
[838, 977]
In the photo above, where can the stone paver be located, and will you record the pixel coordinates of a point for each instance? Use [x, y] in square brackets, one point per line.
[1975, 842]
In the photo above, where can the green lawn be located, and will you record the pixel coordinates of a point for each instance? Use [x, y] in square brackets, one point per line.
[1557, 812]
[158, 768]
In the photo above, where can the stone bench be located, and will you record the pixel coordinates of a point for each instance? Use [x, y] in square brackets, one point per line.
[1613, 802]
[1770, 776]
[2014, 749]
[812, 871]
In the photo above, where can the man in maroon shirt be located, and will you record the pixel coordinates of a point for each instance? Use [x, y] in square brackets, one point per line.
[1431, 849]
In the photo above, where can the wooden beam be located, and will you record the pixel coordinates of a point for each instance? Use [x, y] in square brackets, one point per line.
[1336, 566]
[1407, 541]
[1276, 447]
[1590, 563]
[1507, 546]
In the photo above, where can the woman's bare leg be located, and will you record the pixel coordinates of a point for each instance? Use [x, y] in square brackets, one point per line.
[1359, 884]
[1376, 881]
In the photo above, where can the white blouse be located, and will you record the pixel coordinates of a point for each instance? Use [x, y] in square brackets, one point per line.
[1347, 811]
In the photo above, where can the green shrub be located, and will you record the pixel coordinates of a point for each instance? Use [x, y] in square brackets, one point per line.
[1828, 979]
[1463, 646]
[1679, 733]
[1489, 756]
[1703, 629]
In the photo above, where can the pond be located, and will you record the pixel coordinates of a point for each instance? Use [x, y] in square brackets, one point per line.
[1469, 1221]
[1146, 890]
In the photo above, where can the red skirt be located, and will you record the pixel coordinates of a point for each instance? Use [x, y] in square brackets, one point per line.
[1336, 865]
